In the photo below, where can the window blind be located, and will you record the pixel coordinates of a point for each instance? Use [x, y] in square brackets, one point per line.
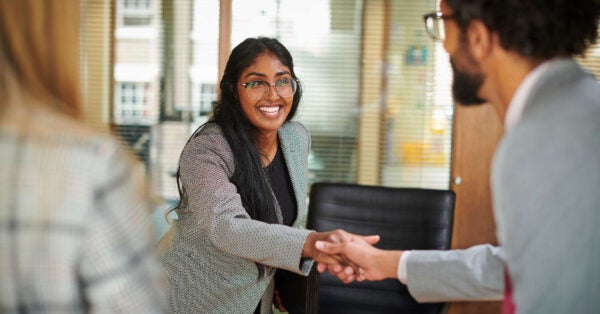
[376, 100]
[418, 104]
[324, 40]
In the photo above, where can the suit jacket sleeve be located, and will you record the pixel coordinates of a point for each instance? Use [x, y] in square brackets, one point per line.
[456, 275]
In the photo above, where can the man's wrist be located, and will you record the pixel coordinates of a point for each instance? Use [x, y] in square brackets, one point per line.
[388, 263]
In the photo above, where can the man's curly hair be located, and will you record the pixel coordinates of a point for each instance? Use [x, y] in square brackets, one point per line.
[538, 29]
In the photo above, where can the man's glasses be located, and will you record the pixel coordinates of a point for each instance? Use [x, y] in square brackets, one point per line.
[434, 25]
[285, 87]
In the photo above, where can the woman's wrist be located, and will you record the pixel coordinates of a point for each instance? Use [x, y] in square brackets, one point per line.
[308, 250]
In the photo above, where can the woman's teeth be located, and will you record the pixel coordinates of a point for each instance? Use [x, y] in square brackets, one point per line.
[270, 109]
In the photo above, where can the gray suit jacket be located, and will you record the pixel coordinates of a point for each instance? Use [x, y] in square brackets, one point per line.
[546, 184]
[211, 250]
[546, 187]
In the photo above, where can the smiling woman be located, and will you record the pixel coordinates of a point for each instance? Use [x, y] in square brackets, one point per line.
[267, 108]
[242, 182]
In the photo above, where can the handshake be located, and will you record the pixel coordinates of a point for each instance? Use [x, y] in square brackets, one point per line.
[351, 257]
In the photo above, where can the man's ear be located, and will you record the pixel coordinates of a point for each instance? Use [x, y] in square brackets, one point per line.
[480, 39]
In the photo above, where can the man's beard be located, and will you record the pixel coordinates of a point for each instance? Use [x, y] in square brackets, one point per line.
[465, 86]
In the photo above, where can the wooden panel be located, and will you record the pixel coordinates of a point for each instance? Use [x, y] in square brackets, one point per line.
[224, 35]
[370, 125]
[475, 135]
[97, 79]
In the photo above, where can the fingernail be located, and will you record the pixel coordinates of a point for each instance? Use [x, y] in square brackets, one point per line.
[319, 244]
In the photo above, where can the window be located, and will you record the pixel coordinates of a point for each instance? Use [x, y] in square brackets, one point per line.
[137, 12]
[377, 97]
[378, 113]
[376, 93]
[204, 59]
[134, 103]
[327, 56]
[417, 122]
[203, 96]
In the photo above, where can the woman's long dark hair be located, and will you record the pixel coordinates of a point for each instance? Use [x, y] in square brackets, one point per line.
[249, 177]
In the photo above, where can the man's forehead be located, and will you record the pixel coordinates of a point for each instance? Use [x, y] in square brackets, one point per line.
[444, 6]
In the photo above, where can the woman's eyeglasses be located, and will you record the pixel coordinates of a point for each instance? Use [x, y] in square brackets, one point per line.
[285, 87]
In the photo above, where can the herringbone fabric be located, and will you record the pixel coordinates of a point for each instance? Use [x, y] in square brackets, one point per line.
[211, 250]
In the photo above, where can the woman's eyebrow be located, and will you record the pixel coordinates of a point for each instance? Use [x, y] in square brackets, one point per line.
[255, 74]
[280, 73]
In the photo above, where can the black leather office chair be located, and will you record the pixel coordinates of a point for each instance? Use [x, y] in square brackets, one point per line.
[406, 218]
[299, 294]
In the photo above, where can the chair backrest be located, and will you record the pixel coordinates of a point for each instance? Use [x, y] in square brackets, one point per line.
[406, 218]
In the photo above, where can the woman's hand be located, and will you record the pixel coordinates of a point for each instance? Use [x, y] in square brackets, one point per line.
[334, 261]
[277, 302]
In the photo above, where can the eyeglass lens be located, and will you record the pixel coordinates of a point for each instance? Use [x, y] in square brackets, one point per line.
[259, 89]
[435, 27]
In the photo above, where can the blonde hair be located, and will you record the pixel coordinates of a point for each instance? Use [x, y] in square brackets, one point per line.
[39, 54]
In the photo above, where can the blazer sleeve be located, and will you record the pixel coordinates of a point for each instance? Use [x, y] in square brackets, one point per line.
[117, 268]
[206, 168]
[456, 275]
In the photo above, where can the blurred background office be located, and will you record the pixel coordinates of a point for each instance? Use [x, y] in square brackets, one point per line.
[377, 97]
[377, 103]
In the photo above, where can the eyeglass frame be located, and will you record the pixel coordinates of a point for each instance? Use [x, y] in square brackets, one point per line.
[438, 15]
[274, 85]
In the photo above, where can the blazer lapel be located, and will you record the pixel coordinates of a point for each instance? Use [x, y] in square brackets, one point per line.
[291, 153]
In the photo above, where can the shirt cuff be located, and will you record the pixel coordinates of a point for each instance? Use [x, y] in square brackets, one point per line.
[402, 267]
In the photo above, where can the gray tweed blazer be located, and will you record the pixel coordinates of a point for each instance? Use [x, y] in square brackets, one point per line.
[211, 250]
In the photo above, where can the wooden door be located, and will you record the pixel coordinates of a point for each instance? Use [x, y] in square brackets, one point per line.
[476, 132]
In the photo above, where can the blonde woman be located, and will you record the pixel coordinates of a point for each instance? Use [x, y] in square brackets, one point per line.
[75, 232]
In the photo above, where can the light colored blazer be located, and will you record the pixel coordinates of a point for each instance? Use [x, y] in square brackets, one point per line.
[75, 228]
[211, 250]
[546, 188]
